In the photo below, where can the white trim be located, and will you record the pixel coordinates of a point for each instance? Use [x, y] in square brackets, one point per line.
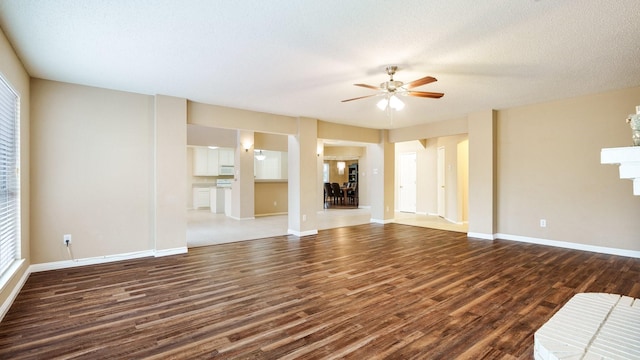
[571, 245]
[453, 222]
[6, 305]
[379, 221]
[106, 259]
[169, 252]
[481, 236]
[240, 219]
[271, 214]
[90, 261]
[302, 233]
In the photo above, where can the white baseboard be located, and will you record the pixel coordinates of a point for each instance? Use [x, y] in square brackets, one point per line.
[237, 218]
[570, 245]
[90, 261]
[169, 252]
[379, 221]
[106, 259]
[481, 236]
[302, 233]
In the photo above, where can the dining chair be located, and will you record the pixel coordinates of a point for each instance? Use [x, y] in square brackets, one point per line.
[352, 193]
[338, 196]
[328, 194]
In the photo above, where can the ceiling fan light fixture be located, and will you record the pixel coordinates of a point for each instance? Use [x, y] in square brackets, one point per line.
[382, 104]
[396, 103]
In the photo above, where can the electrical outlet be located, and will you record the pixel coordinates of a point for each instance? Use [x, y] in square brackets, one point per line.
[304, 217]
[543, 223]
[66, 239]
[275, 203]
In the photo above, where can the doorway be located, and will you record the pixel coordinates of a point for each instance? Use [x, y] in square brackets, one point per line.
[407, 181]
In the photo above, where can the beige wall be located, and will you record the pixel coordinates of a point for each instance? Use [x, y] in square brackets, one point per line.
[429, 130]
[242, 187]
[271, 197]
[199, 135]
[274, 142]
[92, 171]
[344, 151]
[170, 155]
[549, 168]
[482, 174]
[333, 131]
[230, 118]
[12, 70]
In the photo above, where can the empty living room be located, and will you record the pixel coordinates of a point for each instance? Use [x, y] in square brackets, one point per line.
[485, 156]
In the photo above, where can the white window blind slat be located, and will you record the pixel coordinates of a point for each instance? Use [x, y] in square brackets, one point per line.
[9, 177]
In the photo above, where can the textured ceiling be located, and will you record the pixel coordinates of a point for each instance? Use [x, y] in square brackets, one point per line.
[300, 57]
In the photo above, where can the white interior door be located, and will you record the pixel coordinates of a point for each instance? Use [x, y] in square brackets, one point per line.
[407, 182]
[441, 182]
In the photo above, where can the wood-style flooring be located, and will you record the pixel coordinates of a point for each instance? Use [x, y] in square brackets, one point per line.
[362, 292]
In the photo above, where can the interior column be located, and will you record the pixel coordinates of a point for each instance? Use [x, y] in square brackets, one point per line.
[382, 179]
[169, 222]
[242, 188]
[303, 186]
[482, 174]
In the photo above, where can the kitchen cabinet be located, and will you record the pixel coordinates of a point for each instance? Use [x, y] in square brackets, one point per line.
[227, 201]
[201, 197]
[226, 156]
[216, 200]
[207, 162]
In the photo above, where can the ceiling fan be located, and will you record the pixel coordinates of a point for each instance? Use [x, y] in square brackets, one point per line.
[393, 87]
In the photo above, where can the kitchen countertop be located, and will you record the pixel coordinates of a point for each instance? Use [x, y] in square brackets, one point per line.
[271, 180]
[203, 185]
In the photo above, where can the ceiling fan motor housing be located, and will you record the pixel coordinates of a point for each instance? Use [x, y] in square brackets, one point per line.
[391, 86]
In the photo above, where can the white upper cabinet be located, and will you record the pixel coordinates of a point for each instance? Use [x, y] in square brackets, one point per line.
[207, 162]
[226, 156]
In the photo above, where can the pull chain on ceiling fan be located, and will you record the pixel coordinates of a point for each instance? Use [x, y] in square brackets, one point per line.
[390, 89]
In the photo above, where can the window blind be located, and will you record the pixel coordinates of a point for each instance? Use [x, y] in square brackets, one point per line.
[9, 176]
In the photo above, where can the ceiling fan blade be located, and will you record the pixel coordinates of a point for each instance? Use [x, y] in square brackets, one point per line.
[369, 86]
[361, 97]
[423, 81]
[426, 94]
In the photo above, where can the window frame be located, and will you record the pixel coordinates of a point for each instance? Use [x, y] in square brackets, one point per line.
[10, 190]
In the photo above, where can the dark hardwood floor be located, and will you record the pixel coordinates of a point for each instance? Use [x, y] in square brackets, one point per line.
[364, 292]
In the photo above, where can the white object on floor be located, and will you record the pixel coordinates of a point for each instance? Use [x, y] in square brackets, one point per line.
[591, 326]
